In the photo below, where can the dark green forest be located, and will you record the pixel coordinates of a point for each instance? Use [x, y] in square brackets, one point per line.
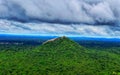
[60, 56]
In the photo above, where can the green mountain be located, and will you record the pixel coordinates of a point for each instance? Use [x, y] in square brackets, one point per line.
[59, 56]
[61, 44]
[65, 56]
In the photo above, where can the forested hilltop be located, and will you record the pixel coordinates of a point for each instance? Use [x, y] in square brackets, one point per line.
[59, 56]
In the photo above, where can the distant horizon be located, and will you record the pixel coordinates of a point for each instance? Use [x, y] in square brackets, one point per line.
[59, 35]
[39, 37]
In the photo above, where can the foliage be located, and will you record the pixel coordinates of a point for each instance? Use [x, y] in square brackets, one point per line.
[60, 56]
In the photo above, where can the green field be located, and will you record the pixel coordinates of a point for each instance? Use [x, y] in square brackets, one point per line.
[61, 56]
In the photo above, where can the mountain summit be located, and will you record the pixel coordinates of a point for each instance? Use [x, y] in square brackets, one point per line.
[62, 48]
[62, 43]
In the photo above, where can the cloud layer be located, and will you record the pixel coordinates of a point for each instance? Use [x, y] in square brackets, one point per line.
[62, 11]
[58, 29]
[61, 17]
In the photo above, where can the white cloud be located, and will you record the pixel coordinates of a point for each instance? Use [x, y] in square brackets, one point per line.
[58, 29]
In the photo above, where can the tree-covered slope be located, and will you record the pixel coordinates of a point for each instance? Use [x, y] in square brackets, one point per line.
[60, 56]
[60, 44]
[68, 57]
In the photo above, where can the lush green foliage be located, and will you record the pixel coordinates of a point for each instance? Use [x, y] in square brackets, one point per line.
[59, 57]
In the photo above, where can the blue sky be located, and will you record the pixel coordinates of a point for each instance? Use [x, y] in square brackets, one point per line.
[60, 17]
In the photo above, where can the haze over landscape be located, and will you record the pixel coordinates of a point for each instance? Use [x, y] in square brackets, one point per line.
[61, 17]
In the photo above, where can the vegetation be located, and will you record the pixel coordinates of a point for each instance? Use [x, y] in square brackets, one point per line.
[60, 56]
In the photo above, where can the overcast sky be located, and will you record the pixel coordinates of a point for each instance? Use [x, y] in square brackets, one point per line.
[66, 17]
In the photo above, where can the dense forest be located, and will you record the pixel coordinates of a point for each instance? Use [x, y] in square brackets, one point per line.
[60, 56]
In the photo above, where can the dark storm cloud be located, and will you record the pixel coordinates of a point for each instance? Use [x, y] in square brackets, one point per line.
[61, 11]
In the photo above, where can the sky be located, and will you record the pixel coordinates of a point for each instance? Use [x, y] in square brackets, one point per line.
[99, 18]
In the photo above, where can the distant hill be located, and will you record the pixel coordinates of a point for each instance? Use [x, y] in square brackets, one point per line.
[61, 43]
